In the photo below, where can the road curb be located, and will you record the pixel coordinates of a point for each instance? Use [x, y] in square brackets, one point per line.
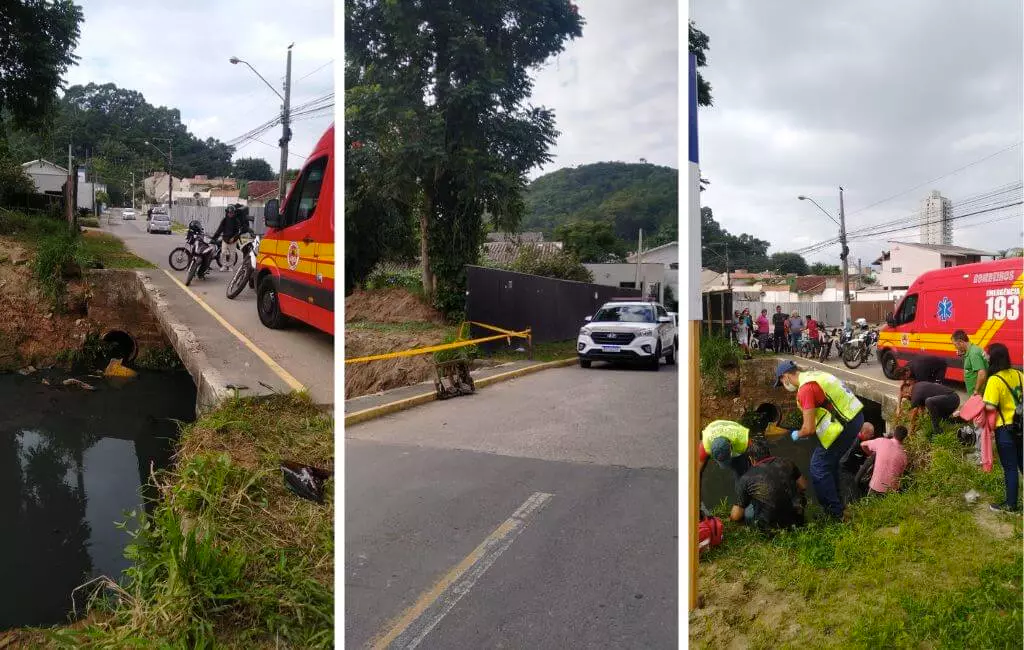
[375, 412]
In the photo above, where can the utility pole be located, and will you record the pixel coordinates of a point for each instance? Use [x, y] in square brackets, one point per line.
[133, 189]
[286, 134]
[170, 177]
[728, 283]
[639, 257]
[844, 256]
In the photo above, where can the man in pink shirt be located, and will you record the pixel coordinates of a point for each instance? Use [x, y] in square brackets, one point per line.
[890, 461]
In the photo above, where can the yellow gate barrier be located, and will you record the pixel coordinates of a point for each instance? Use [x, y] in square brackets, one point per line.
[503, 334]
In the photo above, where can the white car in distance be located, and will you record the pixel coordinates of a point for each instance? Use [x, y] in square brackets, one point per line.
[628, 331]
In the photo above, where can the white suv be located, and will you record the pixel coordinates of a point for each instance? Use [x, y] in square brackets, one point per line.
[628, 331]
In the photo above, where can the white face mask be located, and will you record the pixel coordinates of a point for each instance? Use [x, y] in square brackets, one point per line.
[790, 387]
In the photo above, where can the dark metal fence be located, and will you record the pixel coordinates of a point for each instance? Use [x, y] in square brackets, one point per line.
[554, 309]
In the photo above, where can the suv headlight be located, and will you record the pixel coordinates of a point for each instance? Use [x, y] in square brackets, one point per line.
[584, 331]
[645, 333]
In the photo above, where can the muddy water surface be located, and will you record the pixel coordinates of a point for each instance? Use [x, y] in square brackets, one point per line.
[72, 463]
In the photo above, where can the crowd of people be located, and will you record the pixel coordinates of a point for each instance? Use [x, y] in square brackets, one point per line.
[779, 333]
[770, 491]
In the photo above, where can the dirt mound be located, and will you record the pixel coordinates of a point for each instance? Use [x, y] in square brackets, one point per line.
[375, 376]
[389, 306]
[31, 333]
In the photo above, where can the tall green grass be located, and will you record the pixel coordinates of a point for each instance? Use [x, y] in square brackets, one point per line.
[228, 556]
[716, 355]
[914, 569]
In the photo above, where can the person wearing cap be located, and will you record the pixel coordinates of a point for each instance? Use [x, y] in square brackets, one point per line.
[831, 412]
[727, 442]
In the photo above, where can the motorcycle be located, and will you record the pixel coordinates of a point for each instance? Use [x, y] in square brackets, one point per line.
[202, 255]
[182, 255]
[828, 339]
[858, 349]
[245, 271]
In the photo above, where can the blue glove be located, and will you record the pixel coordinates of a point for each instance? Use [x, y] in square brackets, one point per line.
[795, 436]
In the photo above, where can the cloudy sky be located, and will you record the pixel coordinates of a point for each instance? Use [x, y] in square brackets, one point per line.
[615, 90]
[879, 97]
[176, 54]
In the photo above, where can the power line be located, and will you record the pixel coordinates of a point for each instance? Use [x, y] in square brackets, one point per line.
[959, 169]
[309, 74]
[969, 202]
[962, 216]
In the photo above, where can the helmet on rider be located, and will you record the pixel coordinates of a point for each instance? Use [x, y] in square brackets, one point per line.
[195, 226]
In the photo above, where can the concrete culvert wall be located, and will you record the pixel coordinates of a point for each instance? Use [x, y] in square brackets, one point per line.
[123, 345]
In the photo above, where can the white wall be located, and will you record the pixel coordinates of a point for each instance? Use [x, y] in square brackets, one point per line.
[667, 255]
[911, 261]
[47, 178]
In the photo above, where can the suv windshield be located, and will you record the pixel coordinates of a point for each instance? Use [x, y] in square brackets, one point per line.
[625, 314]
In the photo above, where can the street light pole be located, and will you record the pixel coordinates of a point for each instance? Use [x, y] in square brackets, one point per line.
[844, 256]
[285, 115]
[285, 131]
[844, 252]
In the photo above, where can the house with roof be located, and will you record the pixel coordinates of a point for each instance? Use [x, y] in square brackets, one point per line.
[48, 177]
[905, 261]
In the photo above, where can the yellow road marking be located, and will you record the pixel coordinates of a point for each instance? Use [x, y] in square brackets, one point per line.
[285, 376]
[413, 625]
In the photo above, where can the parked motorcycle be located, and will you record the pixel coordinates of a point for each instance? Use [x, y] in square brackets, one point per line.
[858, 348]
[828, 339]
[245, 271]
[203, 252]
[182, 255]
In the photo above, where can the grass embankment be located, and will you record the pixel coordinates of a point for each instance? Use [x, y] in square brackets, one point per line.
[917, 569]
[229, 557]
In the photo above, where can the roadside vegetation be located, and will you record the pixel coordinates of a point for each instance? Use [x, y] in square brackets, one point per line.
[228, 557]
[718, 356]
[920, 568]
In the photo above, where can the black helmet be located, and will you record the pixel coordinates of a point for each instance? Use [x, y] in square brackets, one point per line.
[195, 226]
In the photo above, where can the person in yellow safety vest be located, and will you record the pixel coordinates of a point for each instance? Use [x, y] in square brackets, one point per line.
[727, 442]
[833, 413]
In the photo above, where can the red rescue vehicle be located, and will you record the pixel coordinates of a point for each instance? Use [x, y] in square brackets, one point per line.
[295, 271]
[982, 299]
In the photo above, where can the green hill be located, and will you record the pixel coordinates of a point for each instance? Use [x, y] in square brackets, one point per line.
[629, 196]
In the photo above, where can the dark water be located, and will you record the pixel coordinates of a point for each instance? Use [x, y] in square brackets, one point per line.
[71, 464]
[718, 484]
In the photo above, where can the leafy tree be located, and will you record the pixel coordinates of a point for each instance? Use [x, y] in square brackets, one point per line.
[13, 179]
[788, 263]
[744, 251]
[819, 268]
[253, 169]
[699, 45]
[441, 87]
[36, 50]
[102, 197]
[563, 265]
[592, 241]
[109, 126]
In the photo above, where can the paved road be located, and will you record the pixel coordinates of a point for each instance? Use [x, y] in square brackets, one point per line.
[870, 372]
[587, 459]
[306, 353]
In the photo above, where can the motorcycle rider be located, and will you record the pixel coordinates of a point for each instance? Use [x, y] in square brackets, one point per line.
[234, 224]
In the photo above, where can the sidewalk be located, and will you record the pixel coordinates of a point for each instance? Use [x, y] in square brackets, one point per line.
[364, 402]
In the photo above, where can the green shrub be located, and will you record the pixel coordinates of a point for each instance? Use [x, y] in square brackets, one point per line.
[466, 352]
[89, 222]
[386, 276]
[57, 255]
[716, 355]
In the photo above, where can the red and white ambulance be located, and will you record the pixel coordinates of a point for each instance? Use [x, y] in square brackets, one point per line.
[982, 299]
[295, 270]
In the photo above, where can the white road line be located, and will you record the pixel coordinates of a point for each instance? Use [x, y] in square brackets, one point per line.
[412, 626]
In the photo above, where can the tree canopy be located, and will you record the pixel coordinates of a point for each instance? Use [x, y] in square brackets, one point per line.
[36, 50]
[699, 46]
[628, 196]
[253, 169]
[437, 119]
[591, 241]
[110, 126]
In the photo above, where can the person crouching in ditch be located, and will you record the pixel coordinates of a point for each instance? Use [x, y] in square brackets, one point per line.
[772, 494]
[939, 400]
[890, 461]
[727, 442]
[834, 414]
